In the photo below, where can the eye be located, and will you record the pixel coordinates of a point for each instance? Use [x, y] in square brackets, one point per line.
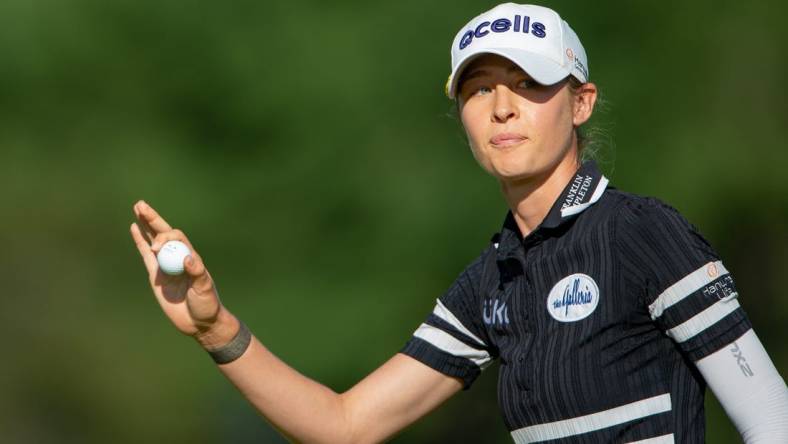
[526, 84]
[474, 89]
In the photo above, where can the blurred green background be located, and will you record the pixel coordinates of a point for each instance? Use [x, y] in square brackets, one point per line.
[308, 151]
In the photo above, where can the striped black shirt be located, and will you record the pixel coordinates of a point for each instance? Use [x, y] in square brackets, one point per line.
[596, 316]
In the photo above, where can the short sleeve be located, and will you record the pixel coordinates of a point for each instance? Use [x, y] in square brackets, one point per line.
[452, 339]
[687, 290]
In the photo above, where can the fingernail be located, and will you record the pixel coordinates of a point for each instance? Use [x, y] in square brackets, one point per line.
[188, 261]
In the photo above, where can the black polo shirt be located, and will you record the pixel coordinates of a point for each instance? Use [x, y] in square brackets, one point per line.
[596, 316]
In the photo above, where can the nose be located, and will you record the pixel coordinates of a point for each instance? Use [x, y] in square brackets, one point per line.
[504, 107]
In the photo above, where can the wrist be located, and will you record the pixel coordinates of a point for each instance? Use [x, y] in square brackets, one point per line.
[220, 332]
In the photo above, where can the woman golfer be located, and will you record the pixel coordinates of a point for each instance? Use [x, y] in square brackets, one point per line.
[609, 313]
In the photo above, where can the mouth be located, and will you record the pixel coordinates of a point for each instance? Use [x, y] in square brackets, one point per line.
[504, 140]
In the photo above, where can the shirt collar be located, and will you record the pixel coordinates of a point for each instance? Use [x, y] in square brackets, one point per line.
[582, 191]
[585, 188]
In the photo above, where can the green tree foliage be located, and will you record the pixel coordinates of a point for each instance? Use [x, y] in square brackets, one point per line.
[307, 149]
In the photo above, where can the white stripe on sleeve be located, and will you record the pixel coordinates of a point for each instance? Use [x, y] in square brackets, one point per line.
[686, 286]
[452, 345]
[703, 320]
[444, 313]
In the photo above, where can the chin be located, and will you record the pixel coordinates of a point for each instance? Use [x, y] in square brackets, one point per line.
[517, 171]
[514, 175]
[523, 167]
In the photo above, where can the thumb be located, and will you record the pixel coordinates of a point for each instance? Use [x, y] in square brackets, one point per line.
[201, 298]
[198, 274]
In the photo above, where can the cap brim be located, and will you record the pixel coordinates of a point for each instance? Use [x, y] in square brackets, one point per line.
[543, 70]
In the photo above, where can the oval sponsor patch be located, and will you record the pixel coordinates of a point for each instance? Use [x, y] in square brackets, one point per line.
[573, 298]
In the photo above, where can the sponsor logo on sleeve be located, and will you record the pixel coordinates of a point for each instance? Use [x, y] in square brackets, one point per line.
[723, 288]
[741, 361]
[573, 298]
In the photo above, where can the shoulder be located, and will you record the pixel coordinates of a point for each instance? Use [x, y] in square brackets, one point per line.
[653, 236]
[647, 216]
[634, 206]
[480, 268]
[626, 210]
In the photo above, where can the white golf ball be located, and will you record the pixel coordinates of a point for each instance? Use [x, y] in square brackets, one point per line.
[171, 257]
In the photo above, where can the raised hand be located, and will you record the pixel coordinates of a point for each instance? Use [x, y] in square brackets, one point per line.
[190, 299]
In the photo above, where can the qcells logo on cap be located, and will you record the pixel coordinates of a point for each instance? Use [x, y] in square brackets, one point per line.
[573, 298]
[521, 24]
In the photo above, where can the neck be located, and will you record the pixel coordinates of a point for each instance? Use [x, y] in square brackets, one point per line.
[530, 199]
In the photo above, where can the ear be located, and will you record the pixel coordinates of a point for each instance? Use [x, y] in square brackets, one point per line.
[583, 103]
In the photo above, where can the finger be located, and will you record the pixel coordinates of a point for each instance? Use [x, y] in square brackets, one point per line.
[152, 218]
[142, 245]
[147, 231]
[171, 235]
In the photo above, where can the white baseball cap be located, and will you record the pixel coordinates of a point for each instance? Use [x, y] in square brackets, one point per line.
[533, 37]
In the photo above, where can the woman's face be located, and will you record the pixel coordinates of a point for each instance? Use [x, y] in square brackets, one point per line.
[517, 128]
